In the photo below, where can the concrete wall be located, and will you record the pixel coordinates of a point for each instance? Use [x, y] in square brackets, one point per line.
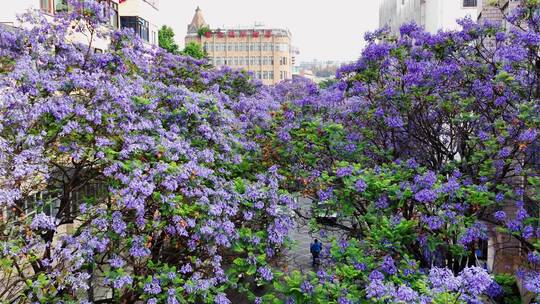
[393, 13]
[442, 14]
[10, 9]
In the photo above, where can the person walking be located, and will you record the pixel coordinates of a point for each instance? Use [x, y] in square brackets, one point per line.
[315, 249]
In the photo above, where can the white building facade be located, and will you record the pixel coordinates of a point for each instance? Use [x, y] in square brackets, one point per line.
[141, 16]
[13, 8]
[433, 15]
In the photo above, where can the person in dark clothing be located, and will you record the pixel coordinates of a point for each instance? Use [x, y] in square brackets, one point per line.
[315, 249]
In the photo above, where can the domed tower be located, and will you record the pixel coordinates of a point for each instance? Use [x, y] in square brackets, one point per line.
[197, 23]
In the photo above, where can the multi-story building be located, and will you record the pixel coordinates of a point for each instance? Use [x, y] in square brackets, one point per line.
[431, 14]
[141, 16]
[265, 51]
[11, 9]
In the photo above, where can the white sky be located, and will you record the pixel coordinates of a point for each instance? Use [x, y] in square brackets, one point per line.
[341, 24]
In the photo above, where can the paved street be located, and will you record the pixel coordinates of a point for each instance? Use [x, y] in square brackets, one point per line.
[298, 256]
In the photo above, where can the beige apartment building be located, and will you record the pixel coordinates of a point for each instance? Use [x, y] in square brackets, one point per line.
[265, 51]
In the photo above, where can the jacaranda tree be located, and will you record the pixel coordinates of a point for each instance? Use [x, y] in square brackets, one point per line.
[123, 173]
[425, 147]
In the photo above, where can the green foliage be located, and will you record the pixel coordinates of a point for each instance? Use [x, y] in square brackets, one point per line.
[193, 49]
[325, 84]
[508, 284]
[203, 30]
[166, 39]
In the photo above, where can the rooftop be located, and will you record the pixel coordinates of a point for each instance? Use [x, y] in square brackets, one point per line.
[198, 22]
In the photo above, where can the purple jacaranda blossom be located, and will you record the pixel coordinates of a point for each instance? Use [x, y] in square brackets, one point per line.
[528, 232]
[153, 287]
[118, 224]
[117, 262]
[342, 172]
[534, 257]
[378, 289]
[325, 195]
[138, 249]
[406, 294]
[443, 280]
[474, 280]
[306, 287]
[394, 121]
[426, 196]
[388, 265]
[427, 180]
[433, 222]
[494, 290]
[528, 135]
[382, 202]
[504, 152]
[531, 281]
[266, 273]
[120, 282]
[500, 215]
[171, 299]
[376, 275]
[476, 232]
[452, 185]
[344, 300]
[43, 221]
[360, 185]
[412, 164]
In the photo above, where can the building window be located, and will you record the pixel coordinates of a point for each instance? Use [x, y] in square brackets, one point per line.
[138, 24]
[113, 11]
[271, 75]
[282, 47]
[47, 6]
[469, 3]
[230, 47]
